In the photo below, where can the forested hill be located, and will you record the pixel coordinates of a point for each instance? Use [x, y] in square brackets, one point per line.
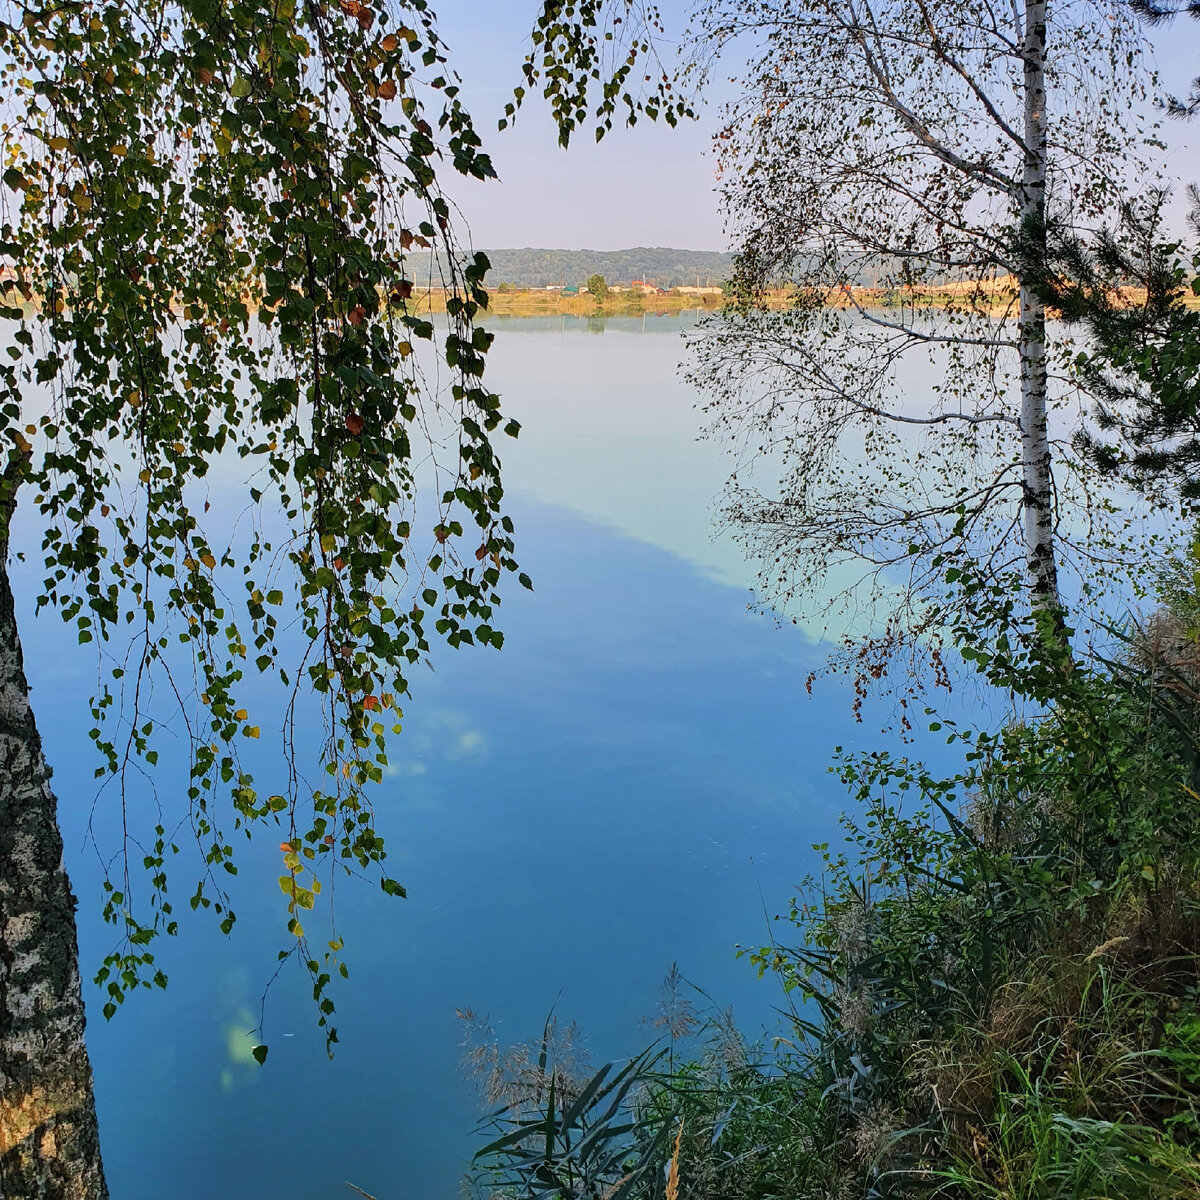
[661, 266]
[664, 267]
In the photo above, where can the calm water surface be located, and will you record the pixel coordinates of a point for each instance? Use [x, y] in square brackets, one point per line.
[627, 784]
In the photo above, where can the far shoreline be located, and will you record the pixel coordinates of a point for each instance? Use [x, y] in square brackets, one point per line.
[994, 298]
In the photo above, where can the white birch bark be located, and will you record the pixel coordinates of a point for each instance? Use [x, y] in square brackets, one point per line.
[49, 1139]
[1037, 480]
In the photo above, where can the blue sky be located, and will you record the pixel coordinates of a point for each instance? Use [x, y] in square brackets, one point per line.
[649, 186]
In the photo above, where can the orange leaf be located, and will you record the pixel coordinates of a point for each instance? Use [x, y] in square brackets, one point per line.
[390, 42]
[481, 553]
[204, 75]
[356, 315]
[387, 90]
[371, 703]
[354, 423]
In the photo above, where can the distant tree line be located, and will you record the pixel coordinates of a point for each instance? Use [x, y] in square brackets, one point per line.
[665, 267]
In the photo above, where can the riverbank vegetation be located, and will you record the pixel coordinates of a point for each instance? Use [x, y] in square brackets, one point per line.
[994, 984]
[991, 988]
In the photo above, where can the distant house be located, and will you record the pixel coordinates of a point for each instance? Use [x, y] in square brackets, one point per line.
[570, 291]
[698, 291]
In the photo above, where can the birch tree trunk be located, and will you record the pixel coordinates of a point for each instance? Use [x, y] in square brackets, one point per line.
[1038, 487]
[49, 1138]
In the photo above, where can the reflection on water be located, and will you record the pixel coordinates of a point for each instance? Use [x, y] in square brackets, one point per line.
[627, 784]
[610, 431]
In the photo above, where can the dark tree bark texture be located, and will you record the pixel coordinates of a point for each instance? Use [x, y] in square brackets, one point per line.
[49, 1138]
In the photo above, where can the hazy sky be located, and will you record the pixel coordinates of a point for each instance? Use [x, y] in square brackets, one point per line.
[648, 186]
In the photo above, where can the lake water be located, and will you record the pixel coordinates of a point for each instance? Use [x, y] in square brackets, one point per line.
[629, 783]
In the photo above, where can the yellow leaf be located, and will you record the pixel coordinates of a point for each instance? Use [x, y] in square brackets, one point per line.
[58, 143]
[405, 349]
[252, 731]
[240, 715]
[207, 559]
[144, 475]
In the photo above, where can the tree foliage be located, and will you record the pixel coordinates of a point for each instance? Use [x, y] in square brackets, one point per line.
[1160, 12]
[903, 145]
[208, 217]
[1128, 290]
[584, 59]
[213, 215]
[211, 220]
